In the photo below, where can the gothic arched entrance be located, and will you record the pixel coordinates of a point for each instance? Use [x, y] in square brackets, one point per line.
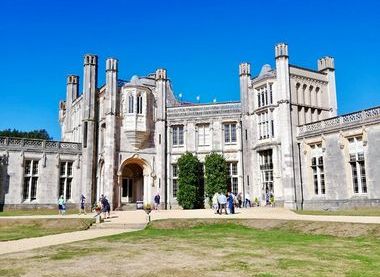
[134, 181]
[132, 185]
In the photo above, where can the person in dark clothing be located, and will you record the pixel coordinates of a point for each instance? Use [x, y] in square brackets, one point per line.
[82, 202]
[230, 201]
[157, 201]
[106, 208]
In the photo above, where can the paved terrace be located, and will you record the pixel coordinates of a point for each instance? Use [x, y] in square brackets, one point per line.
[128, 221]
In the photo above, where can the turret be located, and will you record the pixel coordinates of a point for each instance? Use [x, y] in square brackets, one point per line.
[90, 81]
[71, 90]
[161, 87]
[111, 85]
[326, 66]
[282, 71]
[89, 126]
[244, 76]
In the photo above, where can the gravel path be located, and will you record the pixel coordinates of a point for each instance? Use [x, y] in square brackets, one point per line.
[121, 220]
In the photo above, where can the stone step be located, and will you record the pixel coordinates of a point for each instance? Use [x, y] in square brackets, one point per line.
[111, 225]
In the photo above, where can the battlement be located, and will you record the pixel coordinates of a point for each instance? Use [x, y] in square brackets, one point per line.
[161, 74]
[245, 69]
[326, 63]
[90, 59]
[72, 79]
[111, 64]
[281, 50]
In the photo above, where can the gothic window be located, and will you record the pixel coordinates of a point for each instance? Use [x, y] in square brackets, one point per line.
[233, 176]
[357, 163]
[177, 135]
[30, 180]
[65, 179]
[264, 95]
[175, 179]
[317, 167]
[266, 168]
[265, 126]
[203, 134]
[139, 104]
[230, 133]
[130, 103]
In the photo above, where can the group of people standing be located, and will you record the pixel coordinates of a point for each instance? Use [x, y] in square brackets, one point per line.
[221, 201]
[62, 205]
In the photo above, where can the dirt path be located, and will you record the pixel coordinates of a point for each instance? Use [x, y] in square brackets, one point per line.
[121, 221]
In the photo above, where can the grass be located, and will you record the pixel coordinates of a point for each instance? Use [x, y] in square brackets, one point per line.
[350, 212]
[13, 229]
[210, 248]
[35, 212]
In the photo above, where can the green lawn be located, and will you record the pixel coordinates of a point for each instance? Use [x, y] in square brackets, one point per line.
[350, 212]
[13, 229]
[35, 212]
[209, 248]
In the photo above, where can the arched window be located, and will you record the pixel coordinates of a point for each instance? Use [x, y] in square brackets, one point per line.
[139, 104]
[130, 104]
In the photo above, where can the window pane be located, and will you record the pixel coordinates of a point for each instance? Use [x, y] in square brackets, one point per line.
[28, 164]
[180, 135]
[35, 167]
[25, 192]
[70, 169]
[68, 188]
[355, 178]
[227, 133]
[62, 170]
[61, 189]
[175, 187]
[33, 190]
[233, 132]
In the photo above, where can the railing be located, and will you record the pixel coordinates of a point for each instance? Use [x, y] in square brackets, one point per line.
[340, 121]
[204, 110]
[25, 143]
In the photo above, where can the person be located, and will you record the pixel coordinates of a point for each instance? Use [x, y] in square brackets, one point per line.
[271, 199]
[61, 205]
[215, 204]
[247, 200]
[222, 200]
[157, 201]
[239, 199]
[230, 200]
[267, 198]
[106, 208]
[82, 203]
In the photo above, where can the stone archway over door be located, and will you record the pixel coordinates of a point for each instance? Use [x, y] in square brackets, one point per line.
[132, 185]
[134, 181]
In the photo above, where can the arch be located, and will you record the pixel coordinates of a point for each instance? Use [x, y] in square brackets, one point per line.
[135, 176]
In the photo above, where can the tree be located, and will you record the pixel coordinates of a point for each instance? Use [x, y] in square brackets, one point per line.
[190, 193]
[215, 175]
[35, 134]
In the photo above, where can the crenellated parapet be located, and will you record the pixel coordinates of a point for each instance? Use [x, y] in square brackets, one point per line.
[333, 124]
[24, 144]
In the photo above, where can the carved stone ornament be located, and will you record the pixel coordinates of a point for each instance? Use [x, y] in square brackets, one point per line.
[323, 143]
[341, 140]
[365, 136]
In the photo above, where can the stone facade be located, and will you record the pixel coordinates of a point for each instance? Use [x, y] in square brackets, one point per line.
[125, 138]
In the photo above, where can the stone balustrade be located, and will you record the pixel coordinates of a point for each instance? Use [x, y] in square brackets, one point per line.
[340, 122]
[10, 143]
[204, 110]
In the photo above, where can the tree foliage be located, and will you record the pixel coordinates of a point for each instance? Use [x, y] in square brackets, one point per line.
[215, 175]
[35, 134]
[190, 191]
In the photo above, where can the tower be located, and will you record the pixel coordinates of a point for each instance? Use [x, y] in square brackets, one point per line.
[326, 66]
[244, 76]
[285, 124]
[89, 125]
[161, 134]
[71, 95]
[110, 147]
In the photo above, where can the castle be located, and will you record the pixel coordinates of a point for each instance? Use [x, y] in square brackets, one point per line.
[123, 140]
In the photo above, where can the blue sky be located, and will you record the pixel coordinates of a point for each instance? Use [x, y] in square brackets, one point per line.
[200, 43]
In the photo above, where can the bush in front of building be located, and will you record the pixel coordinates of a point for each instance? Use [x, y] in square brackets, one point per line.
[190, 193]
[215, 175]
